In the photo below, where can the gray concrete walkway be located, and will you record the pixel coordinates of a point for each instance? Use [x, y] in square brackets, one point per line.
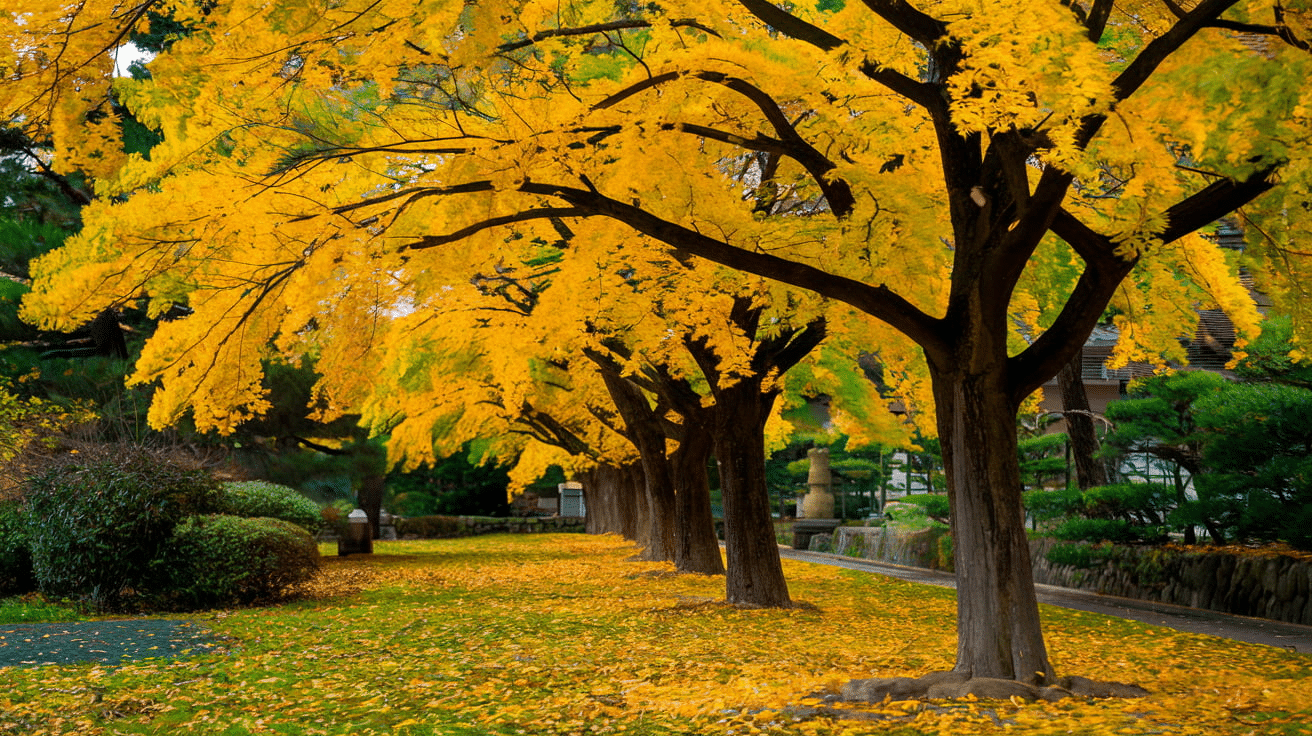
[1293, 637]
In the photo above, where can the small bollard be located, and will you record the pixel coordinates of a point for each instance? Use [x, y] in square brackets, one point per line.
[359, 537]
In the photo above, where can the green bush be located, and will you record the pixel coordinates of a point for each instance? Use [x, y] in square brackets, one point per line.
[1098, 530]
[218, 560]
[429, 527]
[97, 520]
[257, 498]
[1077, 554]
[917, 512]
[936, 505]
[15, 555]
[1046, 505]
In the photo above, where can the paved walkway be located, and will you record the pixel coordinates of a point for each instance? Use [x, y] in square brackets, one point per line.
[1293, 637]
[108, 642]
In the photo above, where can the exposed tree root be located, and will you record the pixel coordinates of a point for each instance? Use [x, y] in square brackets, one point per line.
[955, 685]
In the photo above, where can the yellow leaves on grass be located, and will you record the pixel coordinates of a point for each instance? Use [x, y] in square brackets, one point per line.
[561, 634]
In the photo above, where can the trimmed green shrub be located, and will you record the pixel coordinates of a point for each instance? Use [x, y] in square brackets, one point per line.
[1099, 530]
[1047, 505]
[97, 520]
[936, 506]
[218, 560]
[257, 498]
[429, 527]
[15, 555]
[1078, 554]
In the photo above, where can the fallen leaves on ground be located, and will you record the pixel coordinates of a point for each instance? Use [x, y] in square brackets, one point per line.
[561, 634]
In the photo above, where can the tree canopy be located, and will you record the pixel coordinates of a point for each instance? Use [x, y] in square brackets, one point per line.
[981, 181]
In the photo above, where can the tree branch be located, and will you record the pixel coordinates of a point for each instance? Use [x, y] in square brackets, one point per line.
[1215, 201]
[878, 301]
[1105, 272]
[1152, 56]
[618, 25]
[836, 191]
[790, 25]
[432, 241]
[1156, 52]
[907, 19]
[794, 27]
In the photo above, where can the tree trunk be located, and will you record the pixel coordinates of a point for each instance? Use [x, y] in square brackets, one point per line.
[372, 487]
[1080, 429]
[755, 575]
[633, 505]
[611, 494]
[696, 547]
[998, 630]
[644, 430]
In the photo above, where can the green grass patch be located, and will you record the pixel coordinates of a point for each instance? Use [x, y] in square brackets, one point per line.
[32, 609]
[561, 634]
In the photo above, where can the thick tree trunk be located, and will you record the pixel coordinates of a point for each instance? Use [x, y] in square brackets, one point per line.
[634, 508]
[696, 548]
[1080, 429]
[609, 492]
[755, 575]
[645, 432]
[599, 493]
[998, 630]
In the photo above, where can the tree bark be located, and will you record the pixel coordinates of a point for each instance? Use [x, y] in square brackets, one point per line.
[372, 487]
[755, 575]
[998, 629]
[644, 430]
[611, 496]
[696, 547]
[1080, 430]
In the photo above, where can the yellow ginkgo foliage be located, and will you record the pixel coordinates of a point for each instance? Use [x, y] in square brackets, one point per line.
[977, 181]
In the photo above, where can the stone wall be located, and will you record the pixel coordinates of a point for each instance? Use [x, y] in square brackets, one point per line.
[930, 548]
[1257, 583]
[444, 527]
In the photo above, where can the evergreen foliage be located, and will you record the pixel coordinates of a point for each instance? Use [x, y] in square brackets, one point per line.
[254, 498]
[1258, 461]
[217, 560]
[1245, 450]
[97, 520]
[15, 551]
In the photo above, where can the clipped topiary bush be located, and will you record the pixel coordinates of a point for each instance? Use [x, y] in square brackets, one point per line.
[257, 498]
[429, 527]
[217, 560]
[15, 556]
[97, 520]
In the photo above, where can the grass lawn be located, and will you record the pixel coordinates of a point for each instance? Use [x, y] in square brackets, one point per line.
[561, 634]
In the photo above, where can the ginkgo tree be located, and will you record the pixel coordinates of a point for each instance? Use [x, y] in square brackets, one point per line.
[985, 179]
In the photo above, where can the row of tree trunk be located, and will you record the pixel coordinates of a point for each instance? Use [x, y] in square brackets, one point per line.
[663, 501]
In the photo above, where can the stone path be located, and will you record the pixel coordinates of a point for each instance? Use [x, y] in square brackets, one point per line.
[109, 642]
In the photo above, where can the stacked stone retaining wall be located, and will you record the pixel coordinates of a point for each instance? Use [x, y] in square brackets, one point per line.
[929, 548]
[1263, 584]
[1257, 583]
